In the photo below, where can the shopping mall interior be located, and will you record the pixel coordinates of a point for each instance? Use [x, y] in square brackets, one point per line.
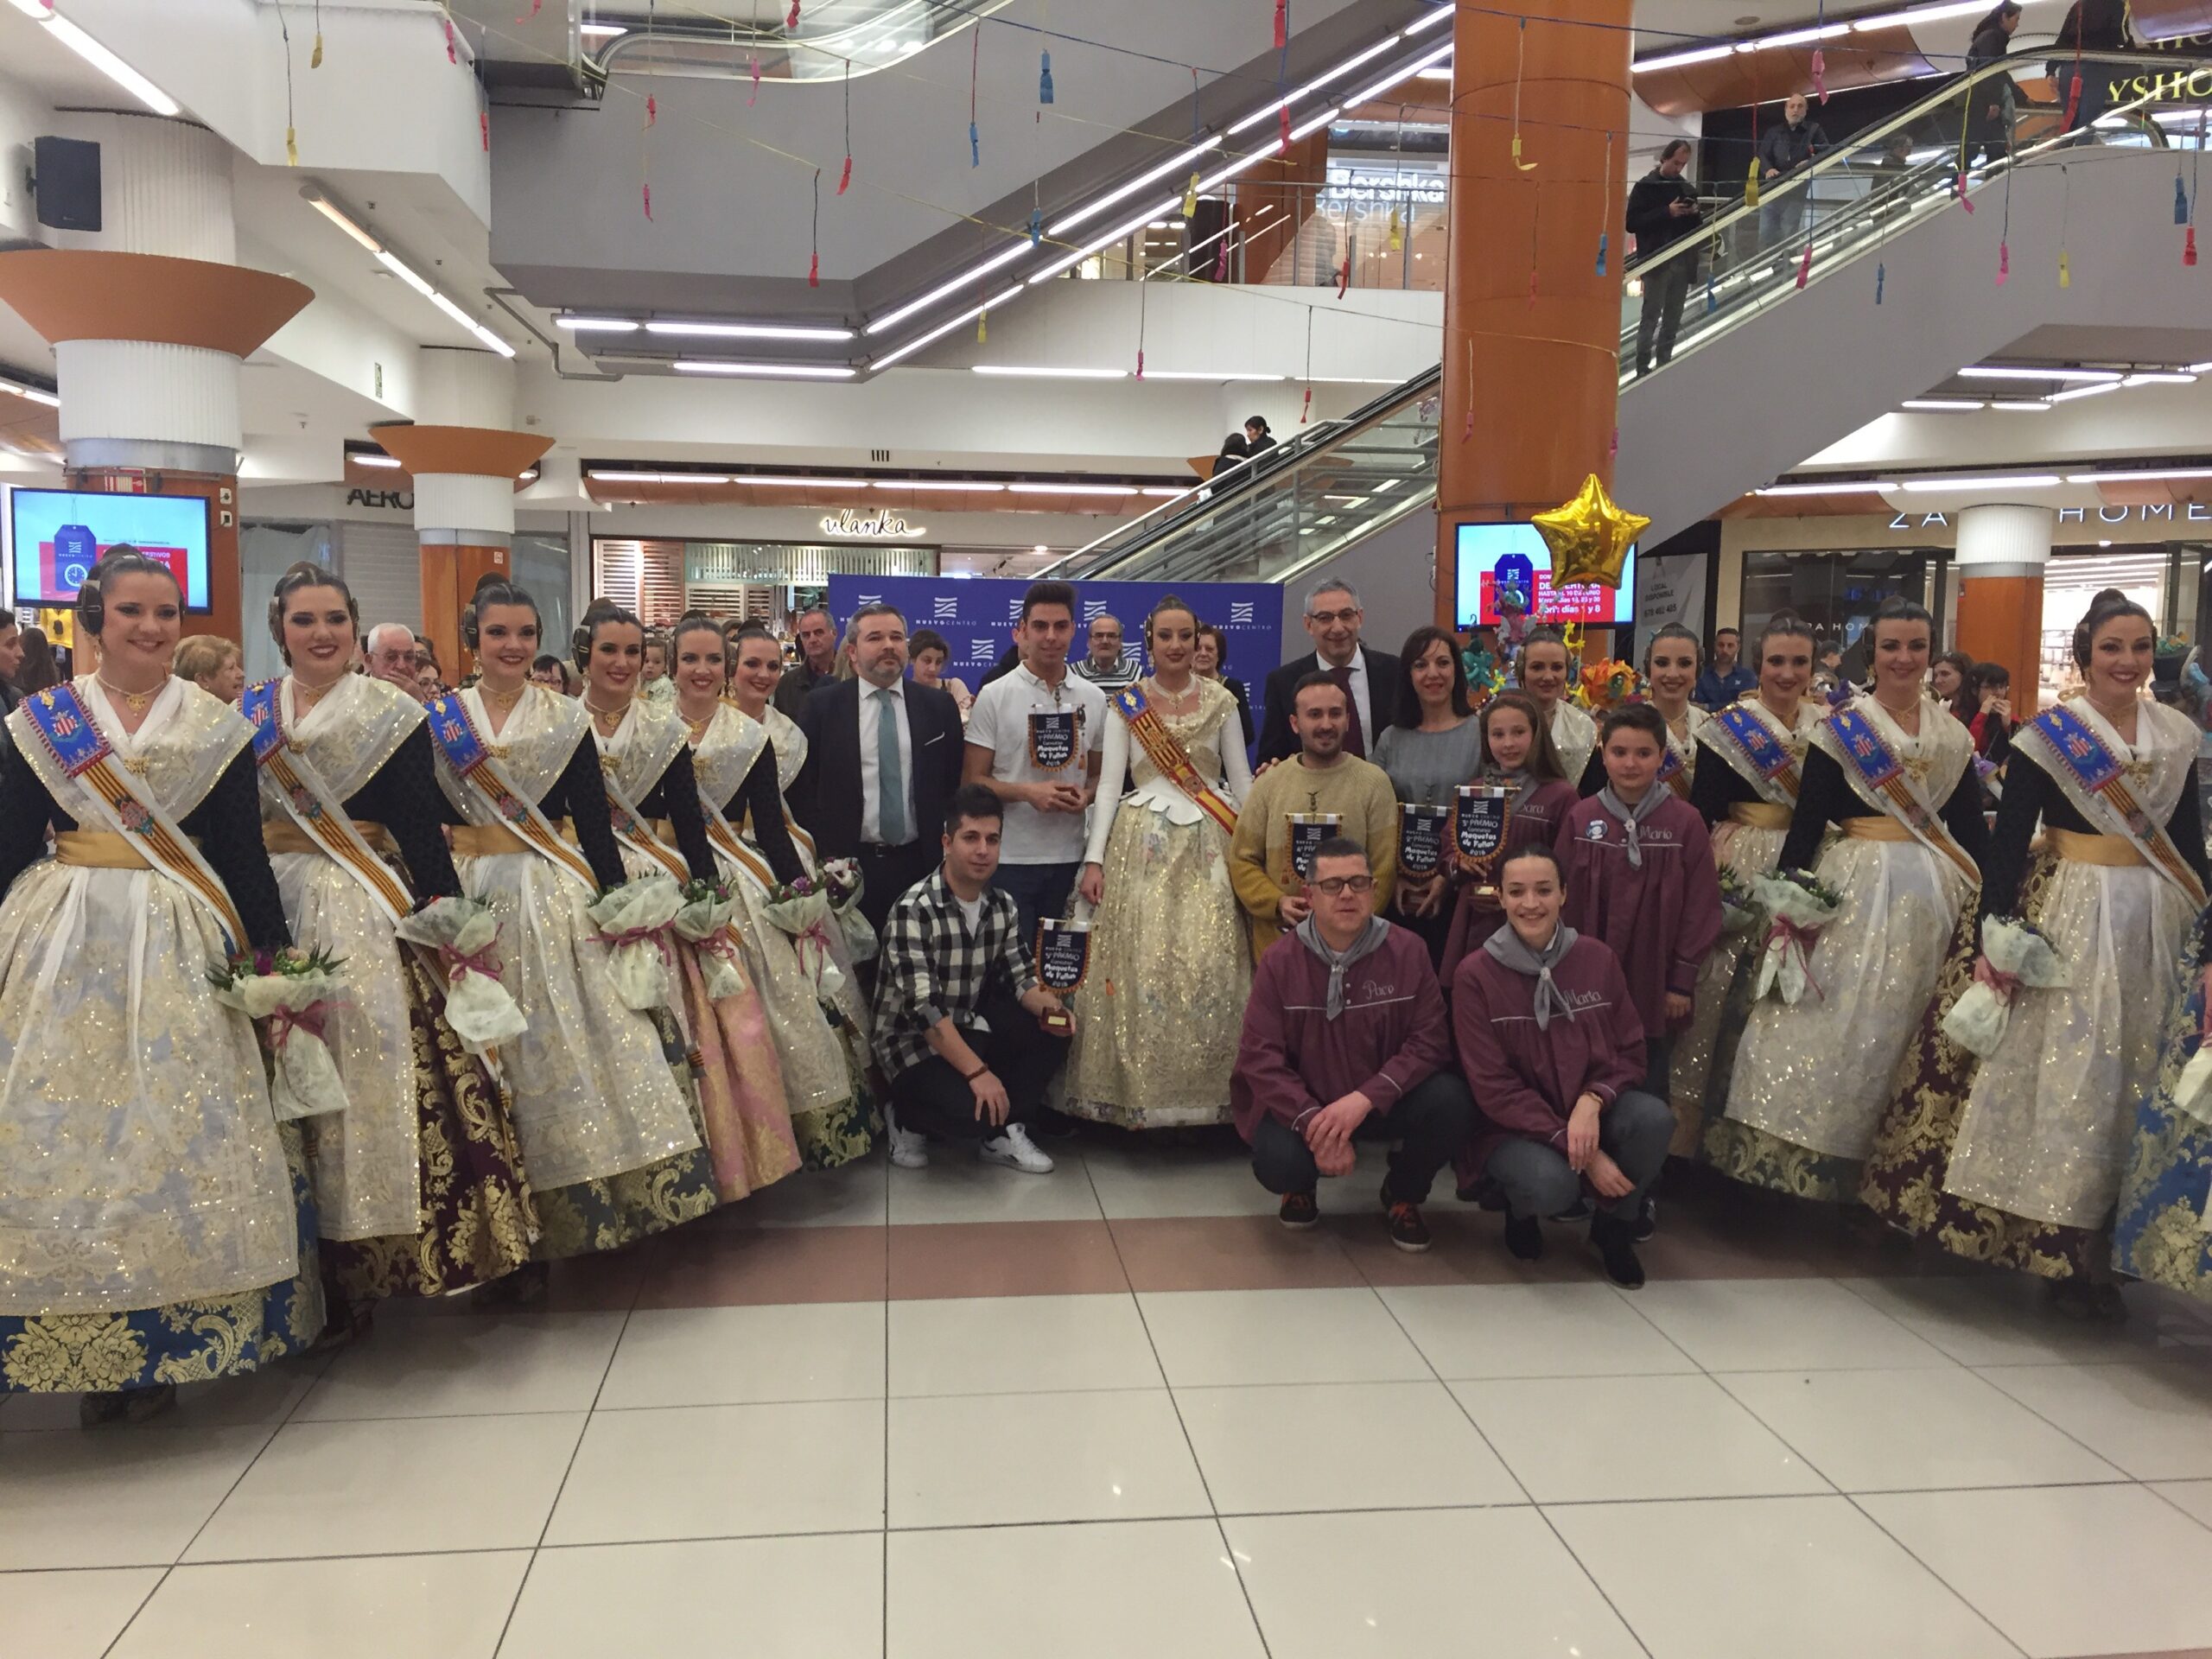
[744, 308]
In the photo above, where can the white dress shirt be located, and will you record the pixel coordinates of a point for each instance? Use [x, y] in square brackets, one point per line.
[871, 790]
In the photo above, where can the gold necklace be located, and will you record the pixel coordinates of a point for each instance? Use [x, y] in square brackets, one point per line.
[135, 701]
[502, 700]
[308, 696]
[698, 728]
[600, 716]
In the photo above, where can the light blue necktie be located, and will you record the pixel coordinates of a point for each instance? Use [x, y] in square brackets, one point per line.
[890, 781]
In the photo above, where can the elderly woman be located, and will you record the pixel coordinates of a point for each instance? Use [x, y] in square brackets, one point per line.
[213, 664]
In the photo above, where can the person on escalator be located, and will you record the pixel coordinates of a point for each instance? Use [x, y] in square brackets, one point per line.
[1797, 143]
[2090, 26]
[1662, 211]
[1989, 110]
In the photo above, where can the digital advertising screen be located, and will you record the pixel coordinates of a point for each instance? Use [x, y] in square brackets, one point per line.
[58, 535]
[1493, 556]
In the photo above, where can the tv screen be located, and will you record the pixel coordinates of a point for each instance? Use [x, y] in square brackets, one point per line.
[58, 535]
[1492, 557]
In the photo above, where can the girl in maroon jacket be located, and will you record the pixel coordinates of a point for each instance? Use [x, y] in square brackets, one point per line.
[1519, 753]
[1552, 1050]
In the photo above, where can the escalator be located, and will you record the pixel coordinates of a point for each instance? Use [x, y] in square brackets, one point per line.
[1849, 287]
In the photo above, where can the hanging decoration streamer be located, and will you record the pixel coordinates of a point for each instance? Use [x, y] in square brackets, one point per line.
[1045, 79]
[792, 22]
[1036, 227]
[1144, 289]
[1282, 23]
[645, 156]
[484, 129]
[1397, 231]
[982, 326]
[1520, 52]
[974, 68]
[2188, 240]
[814, 258]
[1190, 195]
[2065, 214]
[452, 55]
[536, 6]
[1881, 277]
[315, 58]
[291, 133]
[1820, 57]
[1604, 208]
[846, 177]
[2005, 233]
[1805, 266]
[652, 109]
[1751, 184]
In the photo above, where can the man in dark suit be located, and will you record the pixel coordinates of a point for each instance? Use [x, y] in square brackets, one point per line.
[882, 759]
[1370, 677]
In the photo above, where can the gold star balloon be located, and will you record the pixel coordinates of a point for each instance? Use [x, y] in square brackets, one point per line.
[1589, 537]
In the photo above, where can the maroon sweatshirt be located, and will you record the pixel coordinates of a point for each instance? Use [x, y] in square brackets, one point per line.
[1660, 919]
[1525, 1081]
[1534, 819]
[1293, 1060]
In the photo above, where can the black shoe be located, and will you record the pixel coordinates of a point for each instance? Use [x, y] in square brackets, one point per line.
[125, 1405]
[1579, 1211]
[1524, 1237]
[1408, 1230]
[1647, 1221]
[1298, 1212]
[1615, 1243]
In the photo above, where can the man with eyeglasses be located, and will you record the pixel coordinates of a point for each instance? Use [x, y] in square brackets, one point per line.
[1368, 678]
[1346, 1040]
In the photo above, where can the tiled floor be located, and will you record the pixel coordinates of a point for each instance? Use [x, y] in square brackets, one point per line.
[898, 1415]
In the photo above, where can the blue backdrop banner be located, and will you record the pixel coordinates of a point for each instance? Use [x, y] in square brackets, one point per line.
[977, 617]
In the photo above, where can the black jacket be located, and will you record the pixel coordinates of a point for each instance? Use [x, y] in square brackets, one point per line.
[1653, 226]
[825, 798]
[1279, 742]
[1785, 149]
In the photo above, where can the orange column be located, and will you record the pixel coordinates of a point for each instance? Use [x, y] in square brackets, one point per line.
[2002, 549]
[1539, 373]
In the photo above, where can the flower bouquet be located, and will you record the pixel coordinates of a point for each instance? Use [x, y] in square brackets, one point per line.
[289, 995]
[2013, 954]
[704, 920]
[1797, 905]
[802, 909]
[633, 922]
[1739, 906]
[463, 933]
[841, 880]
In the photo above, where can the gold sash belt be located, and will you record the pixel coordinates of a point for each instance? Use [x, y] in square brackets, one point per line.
[485, 840]
[2117, 851]
[282, 836]
[1759, 815]
[1877, 827]
[100, 849]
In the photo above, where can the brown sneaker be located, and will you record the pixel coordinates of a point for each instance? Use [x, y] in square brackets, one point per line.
[1298, 1212]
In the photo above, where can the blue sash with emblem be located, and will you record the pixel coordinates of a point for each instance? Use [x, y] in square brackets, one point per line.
[308, 802]
[1867, 754]
[1769, 755]
[471, 760]
[2089, 763]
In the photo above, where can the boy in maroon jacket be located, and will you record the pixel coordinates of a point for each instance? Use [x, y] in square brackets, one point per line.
[1551, 1044]
[1345, 1038]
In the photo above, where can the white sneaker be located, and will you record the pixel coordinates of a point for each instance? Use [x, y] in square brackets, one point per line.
[1013, 1147]
[908, 1149]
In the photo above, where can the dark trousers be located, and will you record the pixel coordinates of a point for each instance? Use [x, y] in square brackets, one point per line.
[1038, 891]
[1633, 1132]
[1430, 1124]
[1659, 1065]
[1664, 290]
[887, 872]
[931, 1099]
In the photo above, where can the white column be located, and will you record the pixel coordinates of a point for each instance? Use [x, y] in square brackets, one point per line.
[2005, 538]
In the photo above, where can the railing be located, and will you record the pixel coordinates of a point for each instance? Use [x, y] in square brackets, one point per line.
[834, 39]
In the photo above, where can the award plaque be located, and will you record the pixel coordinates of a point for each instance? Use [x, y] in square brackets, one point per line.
[1421, 832]
[1053, 740]
[1479, 826]
[1063, 959]
[1307, 831]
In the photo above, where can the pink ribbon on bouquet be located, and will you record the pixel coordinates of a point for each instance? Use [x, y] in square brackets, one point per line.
[283, 1022]
[813, 934]
[1799, 939]
[2005, 985]
[457, 962]
[656, 937]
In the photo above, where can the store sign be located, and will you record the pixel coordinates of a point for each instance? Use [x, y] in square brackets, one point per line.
[2158, 513]
[1377, 187]
[882, 525]
[400, 500]
[2172, 87]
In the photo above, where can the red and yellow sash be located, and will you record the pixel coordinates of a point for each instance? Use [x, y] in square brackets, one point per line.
[1173, 761]
[470, 759]
[308, 803]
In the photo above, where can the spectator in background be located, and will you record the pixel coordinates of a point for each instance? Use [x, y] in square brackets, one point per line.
[1990, 106]
[1795, 144]
[2090, 26]
[1896, 157]
[817, 663]
[428, 686]
[211, 662]
[1211, 661]
[929, 653]
[1724, 678]
[1947, 678]
[1662, 211]
[389, 649]
[426, 656]
[1985, 702]
[652, 680]
[38, 672]
[1333, 619]
[1258, 440]
[1234, 452]
[1105, 667]
[11, 661]
[550, 672]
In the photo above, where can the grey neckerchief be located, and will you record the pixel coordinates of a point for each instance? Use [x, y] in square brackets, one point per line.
[1511, 951]
[1631, 817]
[1309, 935]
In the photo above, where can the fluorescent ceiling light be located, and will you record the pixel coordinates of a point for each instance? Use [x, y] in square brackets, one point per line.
[801, 371]
[1180, 161]
[934, 484]
[1043, 371]
[2140, 478]
[601, 31]
[1240, 165]
[1315, 124]
[2198, 368]
[598, 325]
[1987, 481]
[482, 333]
[1442, 13]
[2159, 377]
[747, 331]
[1204, 374]
[331, 211]
[1678, 60]
[360, 459]
[786, 481]
[1165, 490]
[99, 57]
[943, 329]
[1917, 15]
[2093, 390]
[1268, 111]
[598, 477]
[2014, 371]
[1841, 486]
[2025, 406]
[36, 395]
[1349, 380]
[1068, 262]
[1435, 74]
[1073, 489]
[1004, 257]
[1398, 75]
[1942, 405]
[1798, 36]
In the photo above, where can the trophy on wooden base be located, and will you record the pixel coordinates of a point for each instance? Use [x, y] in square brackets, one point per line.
[1063, 959]
[1479, 825]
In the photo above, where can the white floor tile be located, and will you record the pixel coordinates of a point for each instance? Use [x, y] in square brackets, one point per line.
[117, 1498]
[1454, 1582]
[1994, 1319]
[815, 1598]
[363, 1607]
[2191, 1496]
[724, 1471]
[1143, 1182]
[1340, 1446]
[747, 1355]
[1020, 1345]
[394, 1485]
[468, 1367]
[851, 1195]
[994, 1459]
[1532, 1331]
[1913, 1430]
[1751, 1578]
[70, 1615]
[2153, 1419]
[2066, 1570]
[1150, 1589]
[1780, 1325]
[959, 1186]
[1577, 1439]
[1211, 1336]
[261, 1399]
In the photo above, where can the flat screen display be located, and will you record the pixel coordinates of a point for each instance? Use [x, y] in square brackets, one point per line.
[58, 535]
[1492, 557]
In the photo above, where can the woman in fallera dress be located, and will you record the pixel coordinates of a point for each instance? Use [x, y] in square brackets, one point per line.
[756, 671]
[652, 792]
[1750, 767]
[1156, 1035]
[159, 1220]
[418, 1183]
[1546, 674]
[2016, 1159]
[1893, 770]
[1518, 753]
[605, 1114]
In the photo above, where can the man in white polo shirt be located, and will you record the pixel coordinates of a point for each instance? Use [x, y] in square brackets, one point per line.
[1033, 737]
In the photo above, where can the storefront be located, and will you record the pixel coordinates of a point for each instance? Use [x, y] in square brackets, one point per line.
[663, 578]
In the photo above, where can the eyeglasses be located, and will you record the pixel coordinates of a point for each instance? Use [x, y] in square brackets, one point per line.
[1327, 619]
[1333, 885]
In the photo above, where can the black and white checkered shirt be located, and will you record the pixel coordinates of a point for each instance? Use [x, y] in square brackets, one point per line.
[932, 966]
